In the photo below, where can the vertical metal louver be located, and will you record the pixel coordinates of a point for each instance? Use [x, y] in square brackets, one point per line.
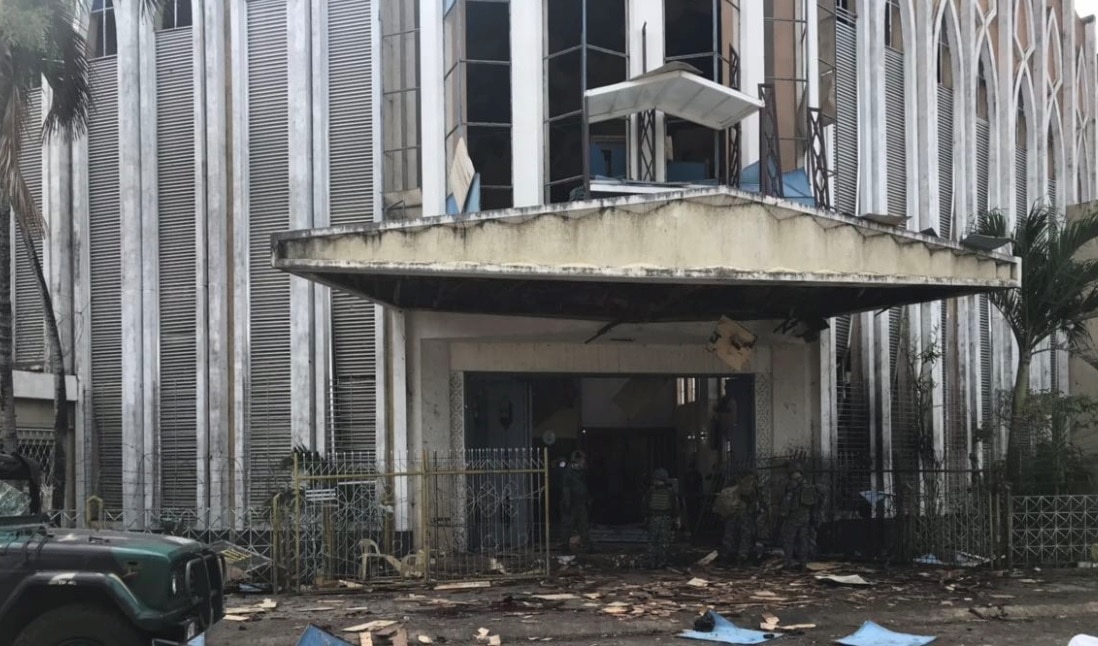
[895, 318]
[983, 147]
[351, 194]
[1054, 362]
[269, 393]
[986, 387]
[945, 162]
[846, 126]
[105, 280]
[178, 280]
[29, 324]
[1021, 179]
[1053, 198]
[896, 136]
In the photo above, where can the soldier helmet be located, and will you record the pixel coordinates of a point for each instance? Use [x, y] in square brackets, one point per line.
[578, 456]
[660, 475]
[795, 467]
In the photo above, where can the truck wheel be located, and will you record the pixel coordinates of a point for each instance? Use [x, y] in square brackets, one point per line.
[79, 625]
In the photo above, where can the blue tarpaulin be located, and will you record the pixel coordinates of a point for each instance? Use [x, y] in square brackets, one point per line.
[727, 632]
[870, 634]
[314, 636]
[795, 184]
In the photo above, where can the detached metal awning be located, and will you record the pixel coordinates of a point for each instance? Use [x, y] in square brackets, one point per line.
[675, 89]
[689, 256]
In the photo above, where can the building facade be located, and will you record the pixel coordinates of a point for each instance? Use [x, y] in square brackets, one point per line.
[219, 124]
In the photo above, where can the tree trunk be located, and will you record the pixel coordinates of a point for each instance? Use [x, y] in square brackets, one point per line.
[1017, 406]
[8, 431]
[61, 429]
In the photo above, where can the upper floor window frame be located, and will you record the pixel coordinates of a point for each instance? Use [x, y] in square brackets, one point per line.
[176, 14]
[893, 25]
[102, 30]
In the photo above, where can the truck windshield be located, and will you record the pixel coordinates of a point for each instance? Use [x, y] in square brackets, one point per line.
[15, 498]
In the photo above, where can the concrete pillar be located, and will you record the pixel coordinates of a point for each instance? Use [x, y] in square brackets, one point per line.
[150, 264]
[432, 101]
[527, 102]
[240, 191]
[131, 107]
[322, 297]
[752, 50]
[302, 292]
[646, 54]
[212, 235]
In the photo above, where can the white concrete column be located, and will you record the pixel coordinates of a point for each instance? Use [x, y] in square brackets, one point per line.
[752, 50]
[1005, 106]
[646, 53]
[527, 102]
[302, 310]
[57, 253]
[150, 267]
[132, 270]
[432, 102]
[212, 235]
[398, 403]
[872, 158]
[1067, 185]
[240, 191]
[322, 297]
[1090, 136]
[920, 58]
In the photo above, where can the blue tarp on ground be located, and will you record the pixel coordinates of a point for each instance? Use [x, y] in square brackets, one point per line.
[870, 634]
[314, 636]
[727, 632]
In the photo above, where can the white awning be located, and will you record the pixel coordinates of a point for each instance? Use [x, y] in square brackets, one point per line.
[677, 92]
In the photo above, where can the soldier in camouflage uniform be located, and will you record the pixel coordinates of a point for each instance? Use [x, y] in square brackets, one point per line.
[799, 504]
[663, 514]
[741, 524]
[816, 518]
[576, 502]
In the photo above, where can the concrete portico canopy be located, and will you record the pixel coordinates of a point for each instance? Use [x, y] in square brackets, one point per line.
[680, 256]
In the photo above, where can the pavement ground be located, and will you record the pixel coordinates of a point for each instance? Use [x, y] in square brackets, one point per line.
[605, 608]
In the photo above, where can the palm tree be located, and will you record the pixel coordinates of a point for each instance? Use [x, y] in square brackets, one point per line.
[40, 41]
[1058, 295]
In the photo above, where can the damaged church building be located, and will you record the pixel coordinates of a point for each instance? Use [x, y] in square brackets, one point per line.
[690, 234]
[699, 234]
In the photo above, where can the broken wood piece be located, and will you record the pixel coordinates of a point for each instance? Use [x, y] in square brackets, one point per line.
[697, 583]
[236, 618]
[464, 585]
[399, 638]
[424, 639]
[244, 610]
[849, 579]
[494, 640]
[268, 604]
[377, 624]
[708, 558]
[564, 596]
[365, 639]
[796, 627]
[482, 634]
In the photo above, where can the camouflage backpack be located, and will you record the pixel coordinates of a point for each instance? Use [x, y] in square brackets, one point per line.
[809, 495]
[728, 502]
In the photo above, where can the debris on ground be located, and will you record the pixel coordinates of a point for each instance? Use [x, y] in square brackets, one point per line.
[697, 583]
[989, 612]
[1083, 640]
[771, 623]
[871, 634]
[822, 567]
[377, 624]
[708, 558]
[849, 579]
[464, 585]
[725, 631]
[484, 637]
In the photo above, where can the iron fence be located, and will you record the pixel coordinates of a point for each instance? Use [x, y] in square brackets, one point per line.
[1053, 530]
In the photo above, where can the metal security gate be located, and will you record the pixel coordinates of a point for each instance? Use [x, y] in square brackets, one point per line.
[269, 394]
[896, 136]
[105, 281]
[30, 346]
[178, 280]
[351, 195]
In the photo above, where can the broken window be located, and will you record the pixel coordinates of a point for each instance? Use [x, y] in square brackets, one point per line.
[894, 29]
[579, 57]
[477, 35]
[705, 35]
[400, 109]
[945, 58]
[982, 110]
[102, 30]
[176, 14]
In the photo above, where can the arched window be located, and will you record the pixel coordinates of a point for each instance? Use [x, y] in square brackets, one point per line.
[945, 58]
[102, 31]
[176, 13]
[894, 31]
[983, 109]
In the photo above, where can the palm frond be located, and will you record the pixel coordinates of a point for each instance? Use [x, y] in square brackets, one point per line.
[13, 102]
[152, 8]
[993, 223]
[66, 72]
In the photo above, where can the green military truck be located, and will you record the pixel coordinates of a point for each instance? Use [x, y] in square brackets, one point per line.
[71, 587]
